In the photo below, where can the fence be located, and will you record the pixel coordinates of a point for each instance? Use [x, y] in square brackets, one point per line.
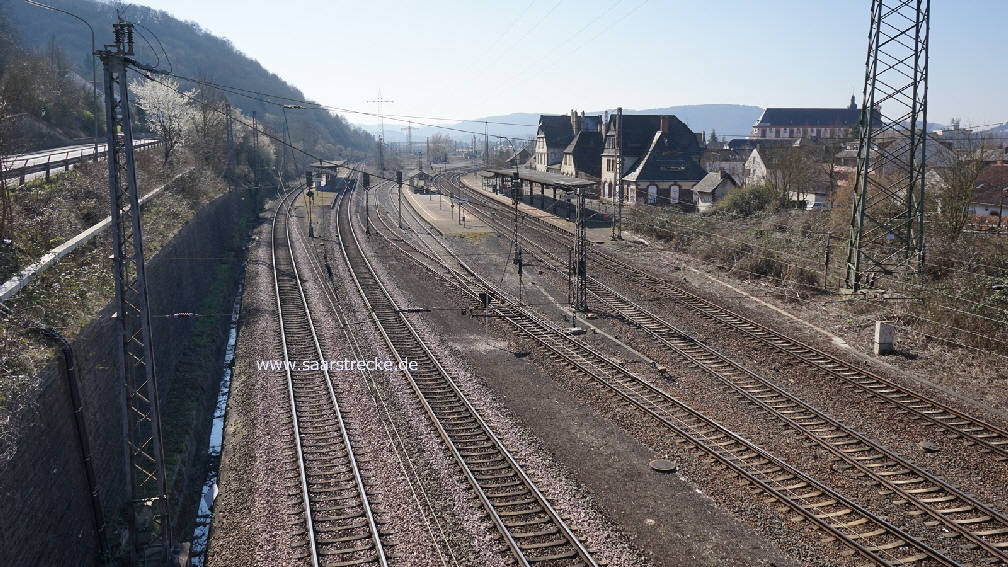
[21, 167]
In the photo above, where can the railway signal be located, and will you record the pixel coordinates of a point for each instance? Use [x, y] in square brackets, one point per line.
[366, 179]
[310, 197]
[398, 180]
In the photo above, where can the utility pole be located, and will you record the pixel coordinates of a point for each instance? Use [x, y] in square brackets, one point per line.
[255, 146]
[617, 227]
[381, 138]
[486, 145]
[409, 135]
[148, 517]
[516, 190]
[398, 180]
[310, 202]
[229, 132]
[366, 180]
[581, 255]
[887, 215]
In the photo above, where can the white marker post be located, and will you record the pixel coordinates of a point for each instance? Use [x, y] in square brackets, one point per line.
[885, 336]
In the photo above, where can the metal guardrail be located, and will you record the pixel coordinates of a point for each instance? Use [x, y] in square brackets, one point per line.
[22, 166]
[25, 276]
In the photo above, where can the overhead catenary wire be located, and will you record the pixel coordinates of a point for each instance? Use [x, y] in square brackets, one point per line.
[318, 106]
[509, 48]
[246, 93]
[484, 97]
[485, 51]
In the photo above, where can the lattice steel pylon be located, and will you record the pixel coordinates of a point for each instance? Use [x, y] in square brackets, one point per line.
[887, 217]
[148, 518]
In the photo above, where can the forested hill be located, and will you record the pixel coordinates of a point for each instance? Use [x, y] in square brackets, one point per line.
[193, 52]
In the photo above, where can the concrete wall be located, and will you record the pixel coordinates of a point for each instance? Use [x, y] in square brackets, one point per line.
[46, 517]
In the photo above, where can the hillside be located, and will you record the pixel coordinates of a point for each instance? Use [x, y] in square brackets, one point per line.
[192, 51]
[733, 120]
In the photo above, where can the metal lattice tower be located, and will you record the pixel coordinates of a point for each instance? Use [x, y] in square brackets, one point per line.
[381, 121]
[148, 518]
[887, 217]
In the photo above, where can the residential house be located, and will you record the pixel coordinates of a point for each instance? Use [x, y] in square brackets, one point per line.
[555, 133]
[583, 156]
[667, 173]
[670, 149]
[521, 158]
[718, 156]
[793, 165]
[712, 189]
[990, 196]
[731, 156]
[794, 123]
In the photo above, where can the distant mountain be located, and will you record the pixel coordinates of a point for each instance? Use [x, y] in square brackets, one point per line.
[191, 52]
[731, 120]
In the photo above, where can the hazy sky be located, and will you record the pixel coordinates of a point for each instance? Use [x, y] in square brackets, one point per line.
[460, 60]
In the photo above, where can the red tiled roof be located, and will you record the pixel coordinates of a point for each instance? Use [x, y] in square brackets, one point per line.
[991, 185]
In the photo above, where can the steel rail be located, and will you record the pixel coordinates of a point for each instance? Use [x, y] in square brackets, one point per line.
[410, 472]
[958, 511]
[990, 438]
[506, 492]
[789, 486]
[963, 514]
[325, 472]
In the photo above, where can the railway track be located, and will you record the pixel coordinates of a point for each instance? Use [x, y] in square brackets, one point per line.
[986, 437]
[436, 526]
[340, 526]
[863, 533]
[532, 530]
[958, 512]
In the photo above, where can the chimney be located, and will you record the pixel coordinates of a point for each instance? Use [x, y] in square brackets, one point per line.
[664, 124]
[574, 120]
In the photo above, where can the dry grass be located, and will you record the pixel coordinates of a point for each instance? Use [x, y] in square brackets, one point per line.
[954, 304]
[69, 294]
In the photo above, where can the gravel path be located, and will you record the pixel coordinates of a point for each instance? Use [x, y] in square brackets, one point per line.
[256, 461]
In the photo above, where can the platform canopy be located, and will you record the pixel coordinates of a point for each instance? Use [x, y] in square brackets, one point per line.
[544, 178]
[327, 165]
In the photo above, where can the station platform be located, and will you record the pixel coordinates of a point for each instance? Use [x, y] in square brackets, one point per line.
[599, 227]
[437, 209]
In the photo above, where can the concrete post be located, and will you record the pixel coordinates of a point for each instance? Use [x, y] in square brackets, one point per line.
[885, 335]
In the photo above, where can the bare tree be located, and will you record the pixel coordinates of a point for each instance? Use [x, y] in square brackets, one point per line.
[958, 167]
[207, 125]
[441, 145]
[792, 173]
